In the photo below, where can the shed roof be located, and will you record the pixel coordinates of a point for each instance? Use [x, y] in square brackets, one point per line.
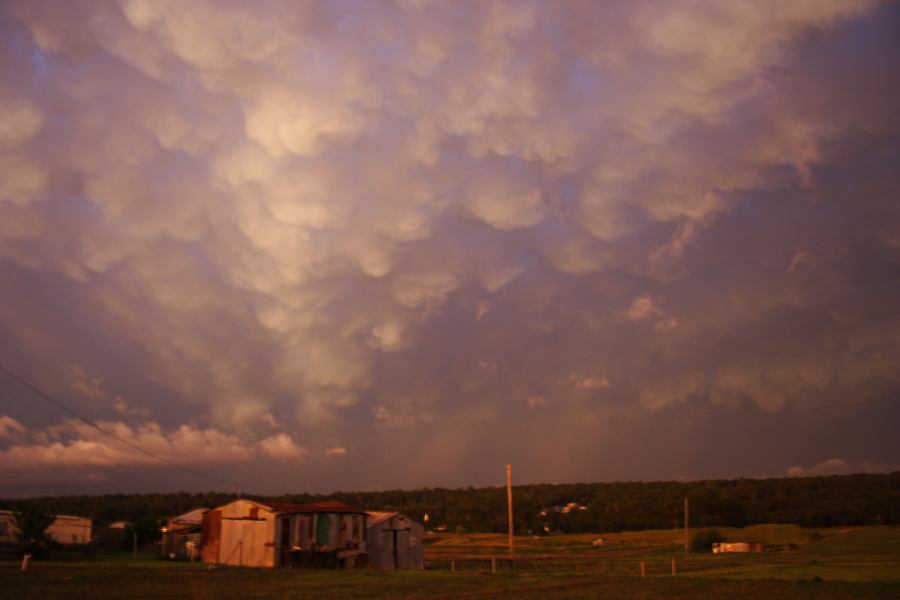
[375, 517]
[192, 516]
[328, 506]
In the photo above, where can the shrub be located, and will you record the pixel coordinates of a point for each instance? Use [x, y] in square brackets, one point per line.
[705, 538]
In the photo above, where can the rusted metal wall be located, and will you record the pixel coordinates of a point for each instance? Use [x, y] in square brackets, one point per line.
[212, 535]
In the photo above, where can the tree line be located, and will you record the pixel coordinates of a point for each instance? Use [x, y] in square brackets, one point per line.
[864, 499]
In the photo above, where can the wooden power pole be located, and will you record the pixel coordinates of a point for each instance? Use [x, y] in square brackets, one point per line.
[509, 506]
[687, 537]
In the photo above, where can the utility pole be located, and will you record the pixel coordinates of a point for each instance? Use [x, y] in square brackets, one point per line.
[509, 504]
[687, 536]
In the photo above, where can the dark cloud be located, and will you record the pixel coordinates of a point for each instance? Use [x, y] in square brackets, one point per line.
[400, 244]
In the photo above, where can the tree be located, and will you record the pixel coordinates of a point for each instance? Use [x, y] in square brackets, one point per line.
[31, 529]
[705, 538]
[147, 530]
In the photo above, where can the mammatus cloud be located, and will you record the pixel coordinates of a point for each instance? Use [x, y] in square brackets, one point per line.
[306, 224]
[838, 466]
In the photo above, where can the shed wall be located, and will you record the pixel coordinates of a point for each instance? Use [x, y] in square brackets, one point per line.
[247, 535]
[70, 530]
[396, 543]
[7, 527]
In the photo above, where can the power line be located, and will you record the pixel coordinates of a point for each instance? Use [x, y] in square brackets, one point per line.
[91, 423]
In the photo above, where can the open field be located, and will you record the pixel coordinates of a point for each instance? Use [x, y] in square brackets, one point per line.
[861, 562]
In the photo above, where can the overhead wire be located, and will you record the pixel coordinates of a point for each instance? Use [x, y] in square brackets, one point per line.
[94, 425]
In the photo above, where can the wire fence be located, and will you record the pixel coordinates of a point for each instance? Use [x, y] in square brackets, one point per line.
[631, 566]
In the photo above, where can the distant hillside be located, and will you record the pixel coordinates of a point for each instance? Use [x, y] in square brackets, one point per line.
[576, 507]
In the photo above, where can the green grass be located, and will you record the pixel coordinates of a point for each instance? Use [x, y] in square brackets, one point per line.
[48, 582]
[861, 562]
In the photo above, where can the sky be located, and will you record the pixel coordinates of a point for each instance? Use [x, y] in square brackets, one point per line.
[359, 245]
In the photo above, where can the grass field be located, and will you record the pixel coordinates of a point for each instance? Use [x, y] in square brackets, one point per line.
[862, 562]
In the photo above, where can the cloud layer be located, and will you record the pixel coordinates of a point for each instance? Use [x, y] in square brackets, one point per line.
[311, 227]
[76, 444]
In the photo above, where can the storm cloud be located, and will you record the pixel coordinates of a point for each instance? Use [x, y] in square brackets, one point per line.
[353, 245]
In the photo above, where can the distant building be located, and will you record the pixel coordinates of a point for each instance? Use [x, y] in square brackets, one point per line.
[70, 530]
[67, 530]
[182, 535]
[569, 508]
[722, 547]
[7, 527]
[283, 534]
[394, 541]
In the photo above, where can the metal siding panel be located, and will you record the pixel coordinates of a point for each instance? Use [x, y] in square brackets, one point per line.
[322, 529]
[334, 523]
[403, 549]
[417, 548]
[212, 535]
[228, 548]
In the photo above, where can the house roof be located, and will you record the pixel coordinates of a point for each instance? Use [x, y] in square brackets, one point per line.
[328, 506]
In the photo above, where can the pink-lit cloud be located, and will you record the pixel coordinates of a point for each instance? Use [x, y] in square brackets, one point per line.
[73, 444]
[326, 222]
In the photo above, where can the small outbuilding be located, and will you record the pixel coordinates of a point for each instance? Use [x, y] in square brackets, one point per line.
[395, 541]
[182, 535]
[67, 530]
[722, 547]
[70, 530]
[7, 527]
[283, 534]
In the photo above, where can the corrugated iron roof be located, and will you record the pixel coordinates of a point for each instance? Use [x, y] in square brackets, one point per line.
[192, 516]
[328, 506]
[188, 529]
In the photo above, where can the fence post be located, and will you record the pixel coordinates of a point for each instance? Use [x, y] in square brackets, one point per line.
[674, 572]
[453, 566]
[643, 572]
[25, 558]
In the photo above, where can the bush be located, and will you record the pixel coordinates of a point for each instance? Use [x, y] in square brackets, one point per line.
[147, 530]
[705, 538]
